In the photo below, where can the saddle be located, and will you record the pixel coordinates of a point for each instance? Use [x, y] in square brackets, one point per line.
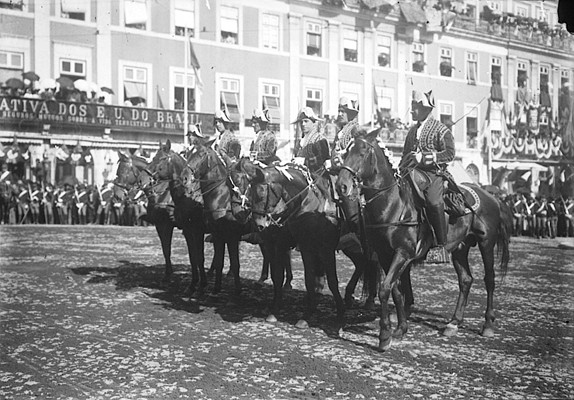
[458, 199]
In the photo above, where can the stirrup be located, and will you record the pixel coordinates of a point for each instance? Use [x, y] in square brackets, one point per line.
[437, 255]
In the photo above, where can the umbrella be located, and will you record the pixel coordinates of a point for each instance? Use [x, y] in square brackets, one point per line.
[15, 83]
[107, 90]
[137, 100]
[65, 82]
[30, 75]
[47, 83]
[83, 85]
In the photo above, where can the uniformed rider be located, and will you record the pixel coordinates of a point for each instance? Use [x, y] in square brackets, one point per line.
[429, 146]
[264, 147]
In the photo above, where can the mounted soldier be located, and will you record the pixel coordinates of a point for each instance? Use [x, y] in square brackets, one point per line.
[313, 150]
[264, 147]
[347, 121]
[226, 143]
[429, 146]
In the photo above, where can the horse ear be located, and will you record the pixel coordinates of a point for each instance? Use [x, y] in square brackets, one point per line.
[122, 155]
[259, 175]
[209, 143]
[168, 145]
[372, 135]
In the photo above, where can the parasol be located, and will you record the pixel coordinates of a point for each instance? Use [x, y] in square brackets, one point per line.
[15, 83]
[47, 83]
[65, 82]
[107, 90]
[83, 85]
[31, 76]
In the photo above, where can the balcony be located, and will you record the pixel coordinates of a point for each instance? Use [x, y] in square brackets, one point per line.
[523, 30]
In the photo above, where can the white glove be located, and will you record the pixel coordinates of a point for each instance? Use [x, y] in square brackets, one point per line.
[327, 164]
[299, 160]
[418, 156]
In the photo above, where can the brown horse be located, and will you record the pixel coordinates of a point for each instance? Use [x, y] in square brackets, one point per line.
[393, 227]
[287, 196]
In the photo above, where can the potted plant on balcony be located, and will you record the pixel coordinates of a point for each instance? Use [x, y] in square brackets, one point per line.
[446, 68]
[419, 66]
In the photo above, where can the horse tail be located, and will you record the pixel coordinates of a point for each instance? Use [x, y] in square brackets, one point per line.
[503, 236]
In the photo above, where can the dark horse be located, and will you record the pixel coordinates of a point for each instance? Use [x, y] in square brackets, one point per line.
[393, 227]
[204, 174]
[288, 196]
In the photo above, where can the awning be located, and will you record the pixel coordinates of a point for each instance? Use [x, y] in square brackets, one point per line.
[75, 6]
[520, 165]
[135, 12]
[377, 3]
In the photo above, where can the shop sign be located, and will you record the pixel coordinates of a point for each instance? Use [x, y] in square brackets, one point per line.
[17, 110]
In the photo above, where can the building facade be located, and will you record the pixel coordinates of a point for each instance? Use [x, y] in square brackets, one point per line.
[491, 65]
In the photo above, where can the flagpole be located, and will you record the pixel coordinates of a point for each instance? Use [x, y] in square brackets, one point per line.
[185, 99]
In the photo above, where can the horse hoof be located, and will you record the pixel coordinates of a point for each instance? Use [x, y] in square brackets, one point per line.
[271, 319]
[340, 333]
[369, 305]
[450, 330]
[384, 345]
[487, 332]
[302, 324]
[287, 286]
[398, 334]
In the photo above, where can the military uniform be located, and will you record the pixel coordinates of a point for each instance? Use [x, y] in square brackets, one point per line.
[264, 147]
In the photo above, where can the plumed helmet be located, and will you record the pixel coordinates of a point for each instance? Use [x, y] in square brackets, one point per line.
[262, 116]
[221, 115]
[425, 99]
[195, 131]
[306, 112]
[346, 104]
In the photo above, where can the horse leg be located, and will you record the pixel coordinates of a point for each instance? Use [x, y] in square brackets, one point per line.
[399, 300]
[487, 252]
[387, 281]
[165, 232]
[330, 268]
[460, 261]
[233, 251]
[265, 251]
[194, 240]
[359, 261]
[406, 289]
[312, 285]
[277, 265]
[217, 263]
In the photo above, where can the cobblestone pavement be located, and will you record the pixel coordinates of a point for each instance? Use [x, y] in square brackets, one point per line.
[85, 315]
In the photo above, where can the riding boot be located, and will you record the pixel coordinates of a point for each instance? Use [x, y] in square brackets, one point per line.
[436, 217]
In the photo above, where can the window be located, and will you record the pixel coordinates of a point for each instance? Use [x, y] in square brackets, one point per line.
[179, 92]
[272, 100]
[135, 85]
[544, 75]
[471, 68]
[418, 56]
[270, 31]
[11, 65]
[445, 61]
[446, 117]
[496, 70]
[564, 77]
[495, 6]
[135, 13]
[229, 25]
[471, 121]
[313, 39]
[542, 14]
[350, 45]
[74, 9]
[383, 51]
[184, 17]
[229, 97]
[12, 60]
[384, 100]
[522, 74]
[314, 99]
[73, 69]
[12, 4]
[521, 11]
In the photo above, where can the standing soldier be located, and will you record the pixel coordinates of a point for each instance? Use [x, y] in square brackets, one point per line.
[105, 202]
[429, 146]
[568, 217]
[23, 203]
[35, 203]
[264, 147]
[226, 143]
[541, 212]
[81, 193]
[530, 220]
[48, 204]
[64, 199]
[552, 218]
[517, 207]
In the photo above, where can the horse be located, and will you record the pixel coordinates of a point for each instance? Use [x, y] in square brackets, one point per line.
[288, 196]
[393, 227]
[133, 173]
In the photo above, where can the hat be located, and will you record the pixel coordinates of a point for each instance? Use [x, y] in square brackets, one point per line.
[306, 112]
[347, 104]
[221, 115]
[425, 99]
[262, 116]
[195, 130]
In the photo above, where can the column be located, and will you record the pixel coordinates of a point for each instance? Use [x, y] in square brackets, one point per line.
[369, 60]
[535, 79]
[293, 88]
[41, 41]
[104, 65]
[556, 88]
[333, 40]
[511, 84]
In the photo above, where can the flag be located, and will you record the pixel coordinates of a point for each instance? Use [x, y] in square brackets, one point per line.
[194, 63]
[526, 175]
[159, 100]
[375, 98]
